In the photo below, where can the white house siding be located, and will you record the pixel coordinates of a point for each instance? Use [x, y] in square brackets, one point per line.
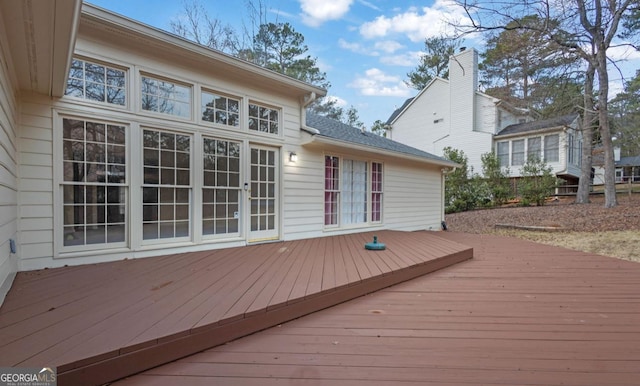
[427, 121]
[8, 170]
[486, 114]
[413, 196]
[463, 83]
[39, 162]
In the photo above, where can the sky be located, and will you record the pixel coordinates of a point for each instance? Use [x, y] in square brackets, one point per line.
[366, 47]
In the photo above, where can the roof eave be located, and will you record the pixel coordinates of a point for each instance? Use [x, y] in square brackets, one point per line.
[320, 139]
[531, 132]
[112, 20]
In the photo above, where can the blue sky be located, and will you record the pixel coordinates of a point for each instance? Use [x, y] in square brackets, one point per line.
[366, 47]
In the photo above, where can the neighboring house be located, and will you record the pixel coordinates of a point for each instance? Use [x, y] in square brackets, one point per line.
[627, 168]
[556, 141]
[453, 113]
[119, 140]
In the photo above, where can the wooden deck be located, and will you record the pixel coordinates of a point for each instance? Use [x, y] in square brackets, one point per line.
[519, 313]
[97, 323]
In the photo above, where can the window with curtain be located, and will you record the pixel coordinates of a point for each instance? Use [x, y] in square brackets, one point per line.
[503, 153]
[552, 148]
[331, 189]
[376, 192]
[354, 192]
[533, 148]
[517, 152]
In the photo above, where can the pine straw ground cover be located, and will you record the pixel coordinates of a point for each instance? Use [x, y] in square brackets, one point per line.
[589, 227]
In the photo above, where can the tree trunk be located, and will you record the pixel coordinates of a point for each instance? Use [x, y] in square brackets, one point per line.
[584, 186]
[610, 199]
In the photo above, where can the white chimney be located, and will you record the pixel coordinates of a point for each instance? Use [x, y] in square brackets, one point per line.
[463, 84]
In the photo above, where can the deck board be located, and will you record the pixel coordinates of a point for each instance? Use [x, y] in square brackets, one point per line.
[519, 313]
[100, 322]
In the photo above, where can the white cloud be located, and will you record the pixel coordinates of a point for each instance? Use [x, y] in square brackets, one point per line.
[389, 46]
[356, 47]
[316, 12]
[408, 59]
[623, 52]
[376, 83]
[339, 101]
[416, 23]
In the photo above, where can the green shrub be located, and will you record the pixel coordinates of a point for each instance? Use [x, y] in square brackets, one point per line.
[537, 182]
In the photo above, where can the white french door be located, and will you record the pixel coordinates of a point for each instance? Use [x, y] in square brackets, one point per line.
[263, 193]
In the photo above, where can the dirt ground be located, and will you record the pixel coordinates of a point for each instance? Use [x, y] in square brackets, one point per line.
[589, 227]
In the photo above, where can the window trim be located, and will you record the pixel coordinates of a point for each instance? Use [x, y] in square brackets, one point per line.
[59, 249]
[507, 155]
[104, 104]
[556, 149]
[522, 153]
[241, 110]
[259, 103]
[340, 225]
[158, 77]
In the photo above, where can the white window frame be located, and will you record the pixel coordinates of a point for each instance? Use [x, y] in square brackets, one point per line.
[548, 149]
[107, 66]
[215, 110]
[261, 120]
[518, 155]
[503, 155]
[538, 152]
[170, 97]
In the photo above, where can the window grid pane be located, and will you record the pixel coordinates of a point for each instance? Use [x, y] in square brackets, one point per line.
[165, 97]
[331, 187]
[166, 192]
[263, 119]
[376, 192]
[503, 153]
[221, 194]
[95, 187]
[96, 82]
[220, 109]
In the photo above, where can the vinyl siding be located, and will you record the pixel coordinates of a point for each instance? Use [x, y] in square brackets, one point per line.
[8, 170]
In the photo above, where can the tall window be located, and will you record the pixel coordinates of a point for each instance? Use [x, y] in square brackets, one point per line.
[96, 82]
[331, 189]
[517, 154]
[503, 153]
[221, 190]
[533, 148]
[263, 119]
[376, 192]
[220, 109]
[551, 148]
[166, 191]
[94, 186]
[165, 97]
[354, 192]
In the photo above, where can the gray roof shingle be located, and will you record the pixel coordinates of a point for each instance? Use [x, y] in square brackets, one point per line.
[629, 161]
[397, 111]
[520, 128]
[333, 129]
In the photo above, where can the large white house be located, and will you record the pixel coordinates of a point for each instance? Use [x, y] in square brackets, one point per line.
[119, 140]
[453, 113]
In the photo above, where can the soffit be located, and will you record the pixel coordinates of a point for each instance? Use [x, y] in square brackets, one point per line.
[41, 36]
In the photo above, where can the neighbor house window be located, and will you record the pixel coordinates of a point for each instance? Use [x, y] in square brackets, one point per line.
[331, 189]
[533, 148]
[376, 192]
[165, 97]
[96, 82]
[94, 184]
[503, 153]
[551, 148]
[166, 189]
[220, 109]
[263, 119]
[517, 152]
[221, 190]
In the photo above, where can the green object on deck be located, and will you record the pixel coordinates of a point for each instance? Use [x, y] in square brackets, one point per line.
[375, 245]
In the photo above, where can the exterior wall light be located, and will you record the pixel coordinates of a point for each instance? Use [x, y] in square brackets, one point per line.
[293, 157]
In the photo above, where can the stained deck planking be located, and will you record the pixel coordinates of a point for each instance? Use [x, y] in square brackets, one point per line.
[100, 322]
[519, 313]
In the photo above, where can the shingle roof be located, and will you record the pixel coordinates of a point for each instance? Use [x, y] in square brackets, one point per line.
[397, 111]
[519, 128]
[333, 129]
[629, 161]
